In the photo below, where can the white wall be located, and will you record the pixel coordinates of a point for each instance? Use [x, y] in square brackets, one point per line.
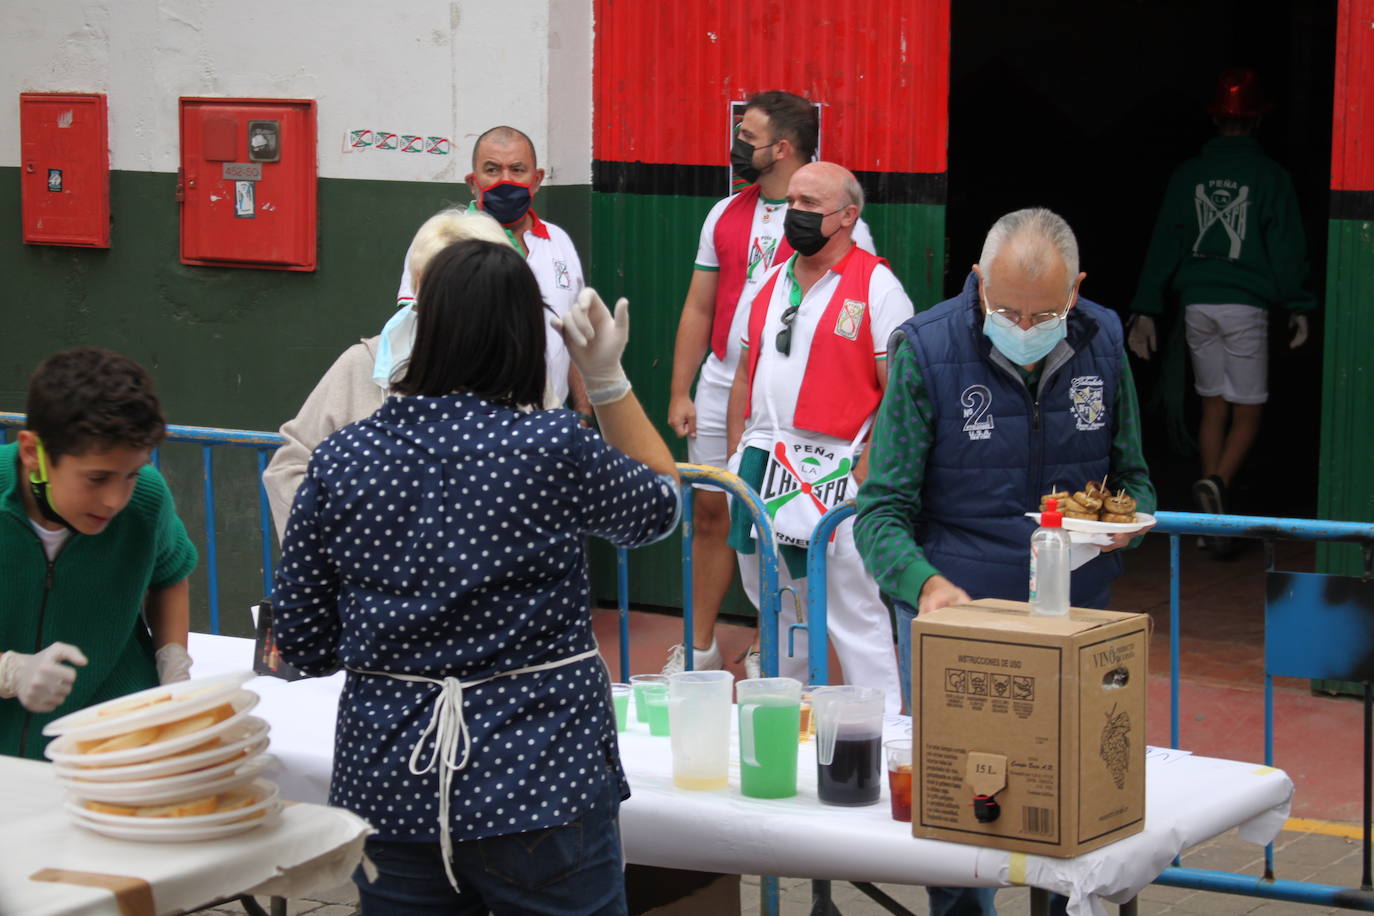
[422, 67]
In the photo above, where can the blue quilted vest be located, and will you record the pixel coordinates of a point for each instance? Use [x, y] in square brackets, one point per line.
[999, 446]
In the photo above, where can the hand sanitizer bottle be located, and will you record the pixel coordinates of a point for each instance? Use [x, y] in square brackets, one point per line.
[1049, 567]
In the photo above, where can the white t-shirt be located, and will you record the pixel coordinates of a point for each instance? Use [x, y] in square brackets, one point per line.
[781, 376]
[558, 270]
[52, 540]
[764, 236]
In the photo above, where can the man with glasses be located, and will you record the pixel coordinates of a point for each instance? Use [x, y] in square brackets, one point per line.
[1015, 387]
[741, 238]
[811, 374]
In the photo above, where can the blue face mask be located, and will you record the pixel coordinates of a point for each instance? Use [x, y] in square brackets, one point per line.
[394, 346]
[1023, 347]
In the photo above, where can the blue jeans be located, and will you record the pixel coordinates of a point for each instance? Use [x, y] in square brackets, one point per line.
[572, 870]
[962, 901]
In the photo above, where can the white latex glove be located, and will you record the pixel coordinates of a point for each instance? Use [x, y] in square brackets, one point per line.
[595, 341]
[173, 664]
[1141, 339]
[1298, 325]
[41, 681]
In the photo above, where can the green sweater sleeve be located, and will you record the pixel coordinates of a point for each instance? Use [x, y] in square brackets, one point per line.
[890, 498]
[1286, 243]
[176, 554]
[1165, 252]
[1128, 468]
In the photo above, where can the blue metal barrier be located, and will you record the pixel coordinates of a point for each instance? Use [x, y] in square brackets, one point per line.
[1176, 525]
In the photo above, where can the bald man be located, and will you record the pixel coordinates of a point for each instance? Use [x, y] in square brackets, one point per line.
[812, 370]
[504, 179]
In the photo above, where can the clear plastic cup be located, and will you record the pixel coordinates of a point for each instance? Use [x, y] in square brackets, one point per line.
[898, 752]
[640, 682]
[620, 696]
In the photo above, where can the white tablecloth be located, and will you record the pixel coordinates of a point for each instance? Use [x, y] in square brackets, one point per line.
[1188, 800]
[310, 847]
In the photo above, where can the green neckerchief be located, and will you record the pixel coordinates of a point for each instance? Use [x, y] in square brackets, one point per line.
[510, 236]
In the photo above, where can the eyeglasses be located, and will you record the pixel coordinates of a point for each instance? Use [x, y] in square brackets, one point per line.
[784, 339]
[1040, 321]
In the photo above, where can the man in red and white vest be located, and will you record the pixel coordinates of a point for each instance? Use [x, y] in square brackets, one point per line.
[812, 371]
[740, 240]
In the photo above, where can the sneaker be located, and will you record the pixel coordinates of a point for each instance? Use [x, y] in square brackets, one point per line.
[702, 659]
[1209, 494]
[677, 662]
[753, 665]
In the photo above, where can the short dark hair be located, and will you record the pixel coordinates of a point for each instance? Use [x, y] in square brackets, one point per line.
[791, 117]
[480, 328]
[90, 399]
[504, 134]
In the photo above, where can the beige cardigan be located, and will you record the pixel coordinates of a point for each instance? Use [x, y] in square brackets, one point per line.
[344, 395]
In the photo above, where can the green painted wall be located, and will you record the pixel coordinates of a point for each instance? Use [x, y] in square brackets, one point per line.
[242, 348]
[1345, 490]
[643, 247]
[229, 347]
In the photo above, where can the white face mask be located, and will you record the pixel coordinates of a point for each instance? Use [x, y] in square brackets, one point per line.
[393, 349]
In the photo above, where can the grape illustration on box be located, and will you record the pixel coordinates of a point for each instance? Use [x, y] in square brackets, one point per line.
[1116, 745]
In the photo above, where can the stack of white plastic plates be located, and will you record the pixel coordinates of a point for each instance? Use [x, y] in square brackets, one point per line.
[174, 763]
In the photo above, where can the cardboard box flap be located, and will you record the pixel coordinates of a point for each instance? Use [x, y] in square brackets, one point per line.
[995, 614]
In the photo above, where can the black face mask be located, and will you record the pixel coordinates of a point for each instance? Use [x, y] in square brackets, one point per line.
[742, 159]
[803, 230]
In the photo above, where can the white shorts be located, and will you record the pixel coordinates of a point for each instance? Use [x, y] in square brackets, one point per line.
[708, 447]
[1230, 347]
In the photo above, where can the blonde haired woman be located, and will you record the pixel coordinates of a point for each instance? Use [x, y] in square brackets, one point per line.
[360, 379]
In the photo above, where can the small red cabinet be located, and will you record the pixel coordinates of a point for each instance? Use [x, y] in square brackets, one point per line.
[65, 169]
[247, 183]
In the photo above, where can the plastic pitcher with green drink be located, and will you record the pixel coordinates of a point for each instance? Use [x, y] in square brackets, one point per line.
[769, 728]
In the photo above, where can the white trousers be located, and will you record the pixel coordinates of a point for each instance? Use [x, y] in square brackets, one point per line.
[856, 619]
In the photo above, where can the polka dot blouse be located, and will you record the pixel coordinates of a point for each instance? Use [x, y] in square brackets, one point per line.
[444, 537]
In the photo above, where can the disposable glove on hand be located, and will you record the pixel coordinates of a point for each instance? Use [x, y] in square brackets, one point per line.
[173, 664]
[41, 681]
[595, 341]
[1298, 325]
[1141, 339]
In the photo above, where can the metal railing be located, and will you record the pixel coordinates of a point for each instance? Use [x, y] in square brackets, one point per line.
[1178, 525]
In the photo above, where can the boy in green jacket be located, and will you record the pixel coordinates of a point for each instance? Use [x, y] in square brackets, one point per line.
[1228, 246]
[93, 557]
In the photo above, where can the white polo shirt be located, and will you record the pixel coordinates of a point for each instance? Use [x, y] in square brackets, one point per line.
[764, 236]
[554, 262]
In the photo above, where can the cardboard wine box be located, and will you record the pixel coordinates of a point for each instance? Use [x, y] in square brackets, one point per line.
[1045, 716]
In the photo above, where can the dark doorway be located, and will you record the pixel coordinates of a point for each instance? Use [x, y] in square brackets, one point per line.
[1086, 108]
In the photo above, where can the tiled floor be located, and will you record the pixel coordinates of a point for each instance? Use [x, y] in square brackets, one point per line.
[1317, 738]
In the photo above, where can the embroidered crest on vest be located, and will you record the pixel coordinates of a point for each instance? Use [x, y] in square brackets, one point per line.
[977, 403]
[561, 275]
[850, 317]
[1089, 406]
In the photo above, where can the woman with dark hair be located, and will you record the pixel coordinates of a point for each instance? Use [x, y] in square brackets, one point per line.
[435, 551]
